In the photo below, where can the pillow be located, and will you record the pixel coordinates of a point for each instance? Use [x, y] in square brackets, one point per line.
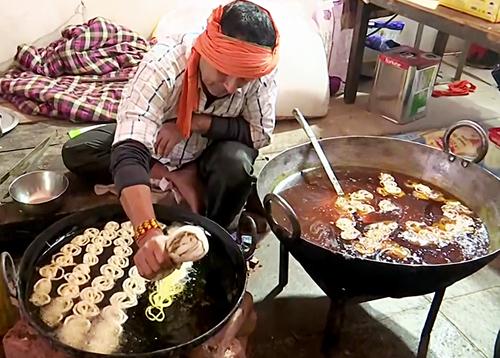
[302, 71]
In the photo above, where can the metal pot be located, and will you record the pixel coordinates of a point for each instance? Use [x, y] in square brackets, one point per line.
[25, 189]
[225, 276]
[9, 311]
[476, 187]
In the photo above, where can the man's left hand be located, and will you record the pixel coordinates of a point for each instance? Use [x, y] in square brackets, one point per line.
[168, 137]
[201, 123]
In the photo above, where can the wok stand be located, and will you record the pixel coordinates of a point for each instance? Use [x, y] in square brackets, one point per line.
[338, 303]
[284, 264]
[333, 327]
[429, 323]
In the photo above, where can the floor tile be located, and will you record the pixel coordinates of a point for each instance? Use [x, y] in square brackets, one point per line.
[487, 277]
[446, 340]
[477, 316]
[291, 325]
[387, 307]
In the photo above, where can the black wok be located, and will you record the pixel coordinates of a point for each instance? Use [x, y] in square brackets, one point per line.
[345, 279]
[337, 274]
[218, 289]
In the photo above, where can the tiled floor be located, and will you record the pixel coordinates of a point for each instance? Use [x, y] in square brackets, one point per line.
[291, 324]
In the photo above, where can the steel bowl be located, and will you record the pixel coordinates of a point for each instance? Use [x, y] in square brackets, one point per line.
[39, 192]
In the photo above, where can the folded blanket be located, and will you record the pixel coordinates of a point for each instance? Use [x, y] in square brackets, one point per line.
[79, 77]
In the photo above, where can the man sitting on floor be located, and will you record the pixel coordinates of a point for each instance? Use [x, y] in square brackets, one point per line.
[201, 106]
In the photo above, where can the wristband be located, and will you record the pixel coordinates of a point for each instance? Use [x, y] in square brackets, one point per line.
[145, 227]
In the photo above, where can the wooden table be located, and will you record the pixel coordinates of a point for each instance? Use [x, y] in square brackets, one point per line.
[447, 21]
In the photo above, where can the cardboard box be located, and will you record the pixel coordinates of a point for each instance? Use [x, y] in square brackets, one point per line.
[485, 9]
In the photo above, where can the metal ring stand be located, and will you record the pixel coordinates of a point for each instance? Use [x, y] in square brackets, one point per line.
[336, 313]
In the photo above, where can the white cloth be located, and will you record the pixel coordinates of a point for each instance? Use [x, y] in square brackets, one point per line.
[185, 244]
[159, 189]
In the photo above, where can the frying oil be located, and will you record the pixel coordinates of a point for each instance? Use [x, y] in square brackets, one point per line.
[416, 238]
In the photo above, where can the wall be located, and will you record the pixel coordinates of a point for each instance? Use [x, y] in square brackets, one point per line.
[304, 86]
[39, 21]
[25, 22]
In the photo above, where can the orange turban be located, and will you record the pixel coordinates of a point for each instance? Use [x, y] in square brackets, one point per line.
[229, 55]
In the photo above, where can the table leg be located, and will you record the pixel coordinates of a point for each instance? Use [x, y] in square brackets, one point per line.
[357, 50]
[440, 43]
[418, 36]
[461, 60]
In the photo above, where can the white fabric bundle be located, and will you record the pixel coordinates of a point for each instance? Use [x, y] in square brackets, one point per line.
[186, 243]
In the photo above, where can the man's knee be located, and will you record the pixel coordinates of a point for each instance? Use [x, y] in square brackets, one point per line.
[71, 154]
[89, 151]
[78, 154]
[235, 161]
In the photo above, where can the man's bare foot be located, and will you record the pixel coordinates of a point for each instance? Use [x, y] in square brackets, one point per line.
[186, 180]
[188, 183]
[232, 339]
[158, 171]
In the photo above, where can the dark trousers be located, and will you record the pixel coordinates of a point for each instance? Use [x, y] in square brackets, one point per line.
[225, 168]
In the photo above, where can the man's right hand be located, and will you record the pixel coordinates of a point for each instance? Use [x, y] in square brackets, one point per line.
[168, 137]
[152, 256]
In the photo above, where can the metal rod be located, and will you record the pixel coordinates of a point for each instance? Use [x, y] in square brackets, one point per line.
[462, 60]
[418, 36]
[425, 337]
[28, 160]
[319, 151]
[283, 273]
[333, 328]
[284, 262]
